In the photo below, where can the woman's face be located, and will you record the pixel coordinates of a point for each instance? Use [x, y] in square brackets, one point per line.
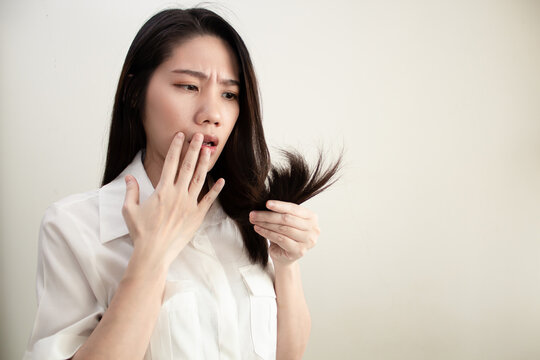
[194, 91]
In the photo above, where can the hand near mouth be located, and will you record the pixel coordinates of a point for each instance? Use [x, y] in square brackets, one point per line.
[162, 225]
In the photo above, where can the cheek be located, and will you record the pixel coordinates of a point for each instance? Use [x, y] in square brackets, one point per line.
[233, 117]
[231, 126]
[161, 111]
[162, 119]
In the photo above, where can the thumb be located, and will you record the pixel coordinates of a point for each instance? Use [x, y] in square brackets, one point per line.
[132, 192]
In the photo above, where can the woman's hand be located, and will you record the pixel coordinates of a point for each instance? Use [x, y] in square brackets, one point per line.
[162, 225]
[291, 229]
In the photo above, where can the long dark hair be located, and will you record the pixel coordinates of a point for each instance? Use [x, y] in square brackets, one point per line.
[245, 164]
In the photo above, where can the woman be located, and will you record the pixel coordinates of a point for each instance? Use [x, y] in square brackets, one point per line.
[152, 265]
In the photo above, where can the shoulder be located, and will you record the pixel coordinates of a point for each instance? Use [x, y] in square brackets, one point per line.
[72, 212]
[74, 205]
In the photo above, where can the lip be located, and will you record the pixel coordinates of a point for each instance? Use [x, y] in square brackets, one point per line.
[211, 139]
[207, 138]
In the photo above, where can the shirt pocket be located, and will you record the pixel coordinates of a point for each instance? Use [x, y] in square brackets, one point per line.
[262, 299]
[177, 334]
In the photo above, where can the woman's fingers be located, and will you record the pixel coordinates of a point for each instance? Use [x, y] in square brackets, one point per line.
[194, 167]
[132, 195]
[212, 194]
[284, 207]
[132, 191]
[289, 245]
[291, 228]
[199, 176]
[290, 232]
[280, 218]
[170, 166]
[189, 163]
[306, 237]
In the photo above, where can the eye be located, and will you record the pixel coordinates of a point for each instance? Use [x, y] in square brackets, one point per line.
[230, 96]
[187, 87]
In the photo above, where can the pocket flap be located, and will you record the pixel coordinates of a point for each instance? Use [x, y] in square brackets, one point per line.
[257, 281]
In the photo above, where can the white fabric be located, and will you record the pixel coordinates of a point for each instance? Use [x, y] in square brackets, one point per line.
[216, 305]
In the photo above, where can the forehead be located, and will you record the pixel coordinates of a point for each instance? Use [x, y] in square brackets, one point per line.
[206, 53]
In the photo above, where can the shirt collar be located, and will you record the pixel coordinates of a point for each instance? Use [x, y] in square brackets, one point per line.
[112, 195]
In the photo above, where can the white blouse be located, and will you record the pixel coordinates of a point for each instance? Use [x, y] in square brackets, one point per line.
[216, 304]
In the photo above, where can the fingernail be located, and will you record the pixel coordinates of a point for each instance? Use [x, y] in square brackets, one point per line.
[270, 203]
[180, 135]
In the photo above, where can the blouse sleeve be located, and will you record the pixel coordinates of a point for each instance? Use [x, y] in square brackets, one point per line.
[68, 309]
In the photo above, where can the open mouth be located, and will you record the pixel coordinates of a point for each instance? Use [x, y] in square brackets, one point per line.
[210, 141]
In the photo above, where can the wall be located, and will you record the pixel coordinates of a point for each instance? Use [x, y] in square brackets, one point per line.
[431, 240]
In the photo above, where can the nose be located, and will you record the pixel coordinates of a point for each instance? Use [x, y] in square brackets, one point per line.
[208, 110]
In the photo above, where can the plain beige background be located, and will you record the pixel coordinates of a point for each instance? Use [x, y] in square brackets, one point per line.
[431, 241]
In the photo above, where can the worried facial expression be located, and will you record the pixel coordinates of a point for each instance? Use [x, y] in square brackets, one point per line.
[194, 91]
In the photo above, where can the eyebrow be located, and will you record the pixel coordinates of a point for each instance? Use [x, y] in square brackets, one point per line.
[203, 76]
